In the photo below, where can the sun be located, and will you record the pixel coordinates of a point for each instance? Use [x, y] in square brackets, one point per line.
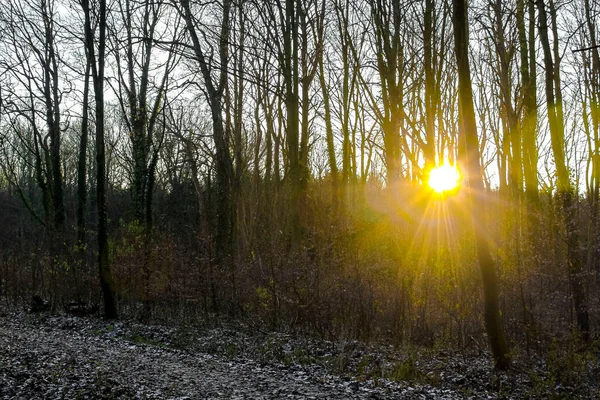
[444, 178]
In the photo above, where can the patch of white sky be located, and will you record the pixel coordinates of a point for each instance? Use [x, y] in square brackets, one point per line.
[575, 139]
[69, 41]
[70, 45]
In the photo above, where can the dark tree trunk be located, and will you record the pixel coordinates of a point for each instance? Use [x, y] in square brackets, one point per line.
[289, 68]
[329, 133]
[529, 118]
[387, 17]
[52, 99]
[82, 163]
[223, 161]
[106, 282]
[429, 148]
[473, 175]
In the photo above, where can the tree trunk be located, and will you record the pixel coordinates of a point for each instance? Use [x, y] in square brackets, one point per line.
[223, 161]
[529, 118]
[329, 133]
[512, 131]
[429, 148]
[290, 76]
[106, 282]
[82, 162]
[473, 174]
[566, 192]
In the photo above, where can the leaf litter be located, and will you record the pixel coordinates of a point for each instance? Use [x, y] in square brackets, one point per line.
[45, 356]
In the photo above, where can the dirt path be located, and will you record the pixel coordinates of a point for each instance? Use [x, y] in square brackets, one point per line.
[54, 359]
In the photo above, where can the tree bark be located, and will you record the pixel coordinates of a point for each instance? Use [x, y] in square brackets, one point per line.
[529, 117]
[223, 161]
[97, 64]
[82, 194]
[429, 148]
[566, 192]
[473, 175]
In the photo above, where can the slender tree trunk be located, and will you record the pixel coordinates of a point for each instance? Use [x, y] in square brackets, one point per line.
[529, 118]
[52, 98]
[429, 149]
[329, 133]
[110, 308]
[239, 97]
[390, 53]
[82, 194]
[473, 172]
[592, 83]
[512, 131]
[566, 192]
[224, 165]
[82, 163]
[291, 82]
[106, 282]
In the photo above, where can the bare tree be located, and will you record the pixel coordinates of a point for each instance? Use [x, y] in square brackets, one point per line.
[140, 98]
[36, 68]
[528, 81]
[473, 172]
[387, 17]
[95, 22]
[214, 93]
[566, 191]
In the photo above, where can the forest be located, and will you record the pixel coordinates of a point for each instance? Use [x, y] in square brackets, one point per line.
[413, 173]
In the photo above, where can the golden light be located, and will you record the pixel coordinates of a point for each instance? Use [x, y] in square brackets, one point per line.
[444, 178]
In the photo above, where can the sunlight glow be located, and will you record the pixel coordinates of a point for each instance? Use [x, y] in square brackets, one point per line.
[444, 178]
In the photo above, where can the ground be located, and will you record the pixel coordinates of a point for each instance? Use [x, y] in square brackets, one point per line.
[44, 356]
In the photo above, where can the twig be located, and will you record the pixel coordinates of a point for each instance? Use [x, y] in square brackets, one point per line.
[586, 48]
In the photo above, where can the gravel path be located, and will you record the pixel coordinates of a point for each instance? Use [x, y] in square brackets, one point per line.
[55, 358]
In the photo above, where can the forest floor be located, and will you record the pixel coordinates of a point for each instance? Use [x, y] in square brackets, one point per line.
[44, 356]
